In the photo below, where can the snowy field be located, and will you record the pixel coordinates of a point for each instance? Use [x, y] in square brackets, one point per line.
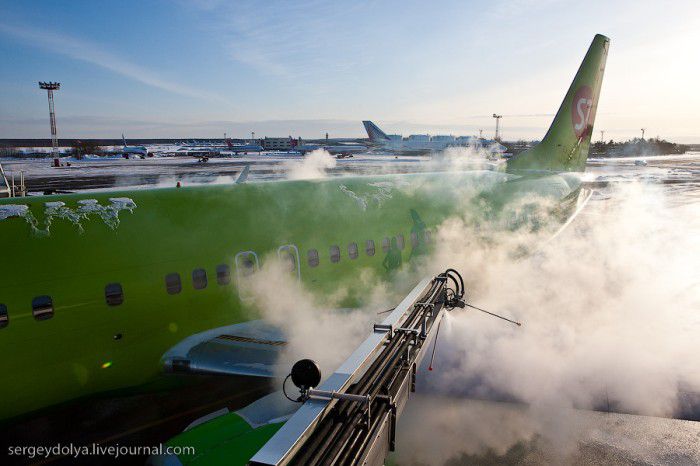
[118, 173]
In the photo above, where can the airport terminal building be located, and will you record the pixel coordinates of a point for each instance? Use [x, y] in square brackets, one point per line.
[281, 144]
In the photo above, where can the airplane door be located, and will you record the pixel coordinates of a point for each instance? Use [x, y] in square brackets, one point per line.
[289, 256]
[247, 264]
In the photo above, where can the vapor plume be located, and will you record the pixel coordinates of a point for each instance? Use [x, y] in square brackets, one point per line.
[609, 312]
[314, 324]
[610, 322]
[313, 166]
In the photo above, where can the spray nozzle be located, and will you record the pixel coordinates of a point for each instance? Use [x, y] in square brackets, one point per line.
[305, 375]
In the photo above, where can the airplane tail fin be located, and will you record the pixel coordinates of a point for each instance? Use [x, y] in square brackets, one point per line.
[228, 143]
[566, 144]
[375, 134]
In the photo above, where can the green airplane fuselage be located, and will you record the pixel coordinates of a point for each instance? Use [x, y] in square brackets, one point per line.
[71, 253]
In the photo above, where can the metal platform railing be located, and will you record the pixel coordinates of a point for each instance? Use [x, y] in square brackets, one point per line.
[5, 190]
[351, 418]
[8, 189]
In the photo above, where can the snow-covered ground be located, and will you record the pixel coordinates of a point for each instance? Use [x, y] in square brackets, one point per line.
[117, 172]
[114, 172]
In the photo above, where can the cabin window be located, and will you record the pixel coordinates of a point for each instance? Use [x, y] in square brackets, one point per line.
[4, 318]
[199, 279]
[369, 247]
[335, 253]
[172, 283]
[353, 251]
[247, 266]
[114, 295]
[400, 241]
[223, 274]
[313, 257]
[288, 257]
[42, 307]
[414, 239]
[289, 253]
[386, 244]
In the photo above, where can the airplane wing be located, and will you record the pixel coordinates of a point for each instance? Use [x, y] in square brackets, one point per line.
[244, 175]
[250, 348]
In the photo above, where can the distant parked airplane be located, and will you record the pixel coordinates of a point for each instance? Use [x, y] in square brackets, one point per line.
[250, 147]
[141, 151]
[425, 142]
[335, 149]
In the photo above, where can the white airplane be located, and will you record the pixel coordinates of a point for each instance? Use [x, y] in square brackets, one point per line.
[334, 149]
[245, 147]
[141, 151]
[425, 142]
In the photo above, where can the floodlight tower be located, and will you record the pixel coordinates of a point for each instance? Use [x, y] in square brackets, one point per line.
[50, 87]
[498, 120]
[602, 135]
[643, 129]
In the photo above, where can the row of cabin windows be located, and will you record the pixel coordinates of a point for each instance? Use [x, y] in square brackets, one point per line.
[42, 309]
[173, 283]
[353, 249]
[42, 306]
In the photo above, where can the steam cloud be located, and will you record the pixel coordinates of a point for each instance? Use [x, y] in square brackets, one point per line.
[315, 327]
[609, 310]
[313, 166]
[610, 307]
[610, 320]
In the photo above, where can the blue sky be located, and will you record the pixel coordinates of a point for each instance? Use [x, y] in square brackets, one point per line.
[202, 68]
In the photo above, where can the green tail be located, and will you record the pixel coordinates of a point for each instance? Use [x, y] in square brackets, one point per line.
[565, 146]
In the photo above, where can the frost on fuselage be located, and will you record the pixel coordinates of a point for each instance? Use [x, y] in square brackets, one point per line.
[13, 210]
[375, 193]
[54, 210]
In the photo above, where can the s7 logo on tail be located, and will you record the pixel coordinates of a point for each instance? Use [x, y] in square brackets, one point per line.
[581, 110]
